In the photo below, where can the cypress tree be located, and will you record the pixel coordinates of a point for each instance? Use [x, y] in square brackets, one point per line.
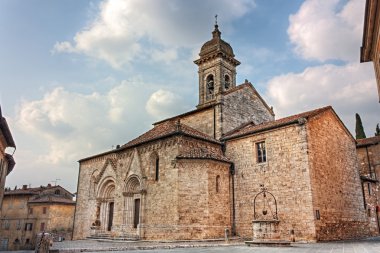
[377, 133]
[359, 128]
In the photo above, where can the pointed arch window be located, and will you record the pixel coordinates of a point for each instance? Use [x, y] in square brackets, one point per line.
[154, 169]
[217, 183]
[210, 87]
[227, 82]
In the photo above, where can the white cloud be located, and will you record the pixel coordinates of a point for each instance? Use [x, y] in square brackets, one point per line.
[321, 31]
[64, 126]
[116, 35]
[163, 104]
[349, 89]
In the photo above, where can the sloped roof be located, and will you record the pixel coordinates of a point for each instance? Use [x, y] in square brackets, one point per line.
[167, 129]
[51, 199]
[6, 132]
[368, 141]
[234, 89]
[34, 190]
[250, 129]
[203, 153]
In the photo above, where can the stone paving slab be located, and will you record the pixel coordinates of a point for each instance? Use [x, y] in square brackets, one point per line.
[371, 245]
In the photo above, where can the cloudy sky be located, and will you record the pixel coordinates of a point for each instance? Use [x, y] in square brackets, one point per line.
[78, 77]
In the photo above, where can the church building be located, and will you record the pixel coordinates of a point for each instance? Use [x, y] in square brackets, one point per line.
[227, 165]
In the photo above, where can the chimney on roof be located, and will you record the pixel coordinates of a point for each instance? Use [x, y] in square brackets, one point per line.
[49, 185]
[25, 186]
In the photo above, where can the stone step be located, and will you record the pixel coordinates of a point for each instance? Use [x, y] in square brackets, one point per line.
[273, 243]
[108, 237]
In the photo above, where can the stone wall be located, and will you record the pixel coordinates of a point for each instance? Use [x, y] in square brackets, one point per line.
[241, 106]
[203, 121]
[61, 219]
[369, 167]
[337, 194]
[285, 174]
[203, 212]
[15, 210]
[165, 203]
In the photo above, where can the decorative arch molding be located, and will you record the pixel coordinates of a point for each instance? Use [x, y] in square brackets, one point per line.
[106, 188]
[105, 197]
[109, 161]
[133, 185]
[134, 166]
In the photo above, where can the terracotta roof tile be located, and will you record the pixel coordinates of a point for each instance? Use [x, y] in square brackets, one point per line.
[167, 129]
[31, 190]
[368, 141]
[51, 199]
[244, 130]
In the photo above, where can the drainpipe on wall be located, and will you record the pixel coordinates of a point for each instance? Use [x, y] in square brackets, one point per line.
[232, 173]
[214, 122]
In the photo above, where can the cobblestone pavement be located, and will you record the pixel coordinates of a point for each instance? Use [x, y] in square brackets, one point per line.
[359, 246]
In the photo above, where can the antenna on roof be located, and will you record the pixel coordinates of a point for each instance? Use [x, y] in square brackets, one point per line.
[55, 181]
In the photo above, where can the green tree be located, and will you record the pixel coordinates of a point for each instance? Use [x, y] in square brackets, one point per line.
[359, 128]
[377, 133]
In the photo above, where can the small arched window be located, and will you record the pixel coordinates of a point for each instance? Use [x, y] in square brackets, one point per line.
[157, 169]
[210, 86]
[217, 183]
[57, 192]
[227, 82]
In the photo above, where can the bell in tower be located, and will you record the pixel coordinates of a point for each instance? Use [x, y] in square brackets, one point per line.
[216, 69]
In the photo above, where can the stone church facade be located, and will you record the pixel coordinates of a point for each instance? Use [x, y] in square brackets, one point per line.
[228, 164]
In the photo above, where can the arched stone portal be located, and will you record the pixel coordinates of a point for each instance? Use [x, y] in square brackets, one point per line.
[133, 202]
[105, 205]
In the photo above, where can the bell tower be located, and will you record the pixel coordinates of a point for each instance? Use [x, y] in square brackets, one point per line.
[216, 69]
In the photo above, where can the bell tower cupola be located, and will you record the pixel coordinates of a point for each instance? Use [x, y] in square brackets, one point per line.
[216, 69]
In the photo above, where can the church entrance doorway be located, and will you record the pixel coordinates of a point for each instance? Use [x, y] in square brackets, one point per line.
[105, 206]
[110, 216]
[134, 197]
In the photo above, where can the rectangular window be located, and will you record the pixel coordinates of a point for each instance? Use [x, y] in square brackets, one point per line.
[6, 225]
[30, 211]
[261, 152]
[317, 215]
[18, 225]
[42, 227]
[28, 226]
[44, 210]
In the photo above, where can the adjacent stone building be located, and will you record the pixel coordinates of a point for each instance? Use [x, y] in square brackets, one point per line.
[29, 211]
[370, 50]
[368, 151]
[7, 161]
[227, 165]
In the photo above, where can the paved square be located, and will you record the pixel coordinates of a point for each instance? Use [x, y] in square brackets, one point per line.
[371, 245]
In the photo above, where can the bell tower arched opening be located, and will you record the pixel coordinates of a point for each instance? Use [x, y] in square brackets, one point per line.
[216, 69]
